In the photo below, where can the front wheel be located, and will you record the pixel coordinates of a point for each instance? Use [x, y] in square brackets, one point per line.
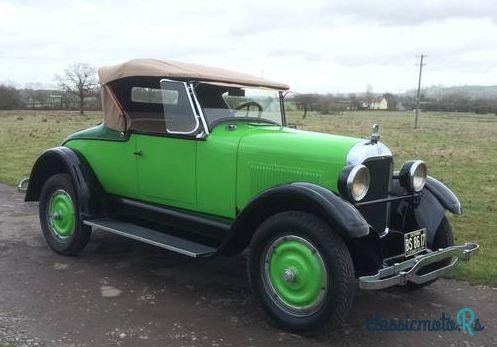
[59, 217]
[301, 271]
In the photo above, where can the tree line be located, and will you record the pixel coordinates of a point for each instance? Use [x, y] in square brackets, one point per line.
[338, 103]
[78, 89]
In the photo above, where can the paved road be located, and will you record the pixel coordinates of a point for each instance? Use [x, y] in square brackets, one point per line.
[120, 292]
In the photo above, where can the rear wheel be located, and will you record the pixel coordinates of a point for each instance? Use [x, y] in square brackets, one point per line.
[59, 217]
[301, 272]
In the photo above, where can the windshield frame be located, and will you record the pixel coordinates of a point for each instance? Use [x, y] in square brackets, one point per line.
[209, 126]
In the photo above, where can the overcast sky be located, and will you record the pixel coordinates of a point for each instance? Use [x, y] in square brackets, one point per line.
[315, 46]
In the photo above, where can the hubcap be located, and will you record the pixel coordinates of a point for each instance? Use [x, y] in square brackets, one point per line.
[61, 214]
[288, 275]
[295, 275]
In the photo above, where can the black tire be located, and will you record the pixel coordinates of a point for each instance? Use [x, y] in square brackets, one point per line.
[341, 283]
[77, 240]
[444, 237]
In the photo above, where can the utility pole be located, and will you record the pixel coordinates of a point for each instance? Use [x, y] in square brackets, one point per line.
[421, 64]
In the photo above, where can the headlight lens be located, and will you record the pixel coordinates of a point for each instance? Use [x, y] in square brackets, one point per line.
[354, 182]
[413, 175]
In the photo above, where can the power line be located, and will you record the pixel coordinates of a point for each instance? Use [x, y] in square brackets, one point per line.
[421, 64]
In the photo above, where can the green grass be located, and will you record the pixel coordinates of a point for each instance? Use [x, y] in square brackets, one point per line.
[25, 134]
[460, 150]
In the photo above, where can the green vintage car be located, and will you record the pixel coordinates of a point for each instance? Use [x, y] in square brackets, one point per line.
[200, 161]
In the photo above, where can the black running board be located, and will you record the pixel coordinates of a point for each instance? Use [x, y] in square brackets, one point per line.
[152, 237]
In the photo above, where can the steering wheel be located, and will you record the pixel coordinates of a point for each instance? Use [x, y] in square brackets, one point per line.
[248, 105]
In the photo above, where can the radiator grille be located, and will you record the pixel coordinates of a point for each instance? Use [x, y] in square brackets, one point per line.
[381, 170]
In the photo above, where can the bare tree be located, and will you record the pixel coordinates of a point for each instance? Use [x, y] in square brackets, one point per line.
[304, 102]
[80, 80]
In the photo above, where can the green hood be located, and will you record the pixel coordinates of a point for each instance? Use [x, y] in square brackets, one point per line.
[269, 156]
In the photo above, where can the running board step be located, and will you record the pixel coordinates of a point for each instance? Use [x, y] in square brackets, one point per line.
[153, 237]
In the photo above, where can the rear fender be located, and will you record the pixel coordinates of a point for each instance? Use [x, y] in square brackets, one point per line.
[64, 160]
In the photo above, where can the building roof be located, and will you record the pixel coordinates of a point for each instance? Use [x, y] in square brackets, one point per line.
[173, 69]
[377, 99]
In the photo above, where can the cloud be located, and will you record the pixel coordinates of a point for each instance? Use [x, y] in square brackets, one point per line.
[405, 13]
[312, 45]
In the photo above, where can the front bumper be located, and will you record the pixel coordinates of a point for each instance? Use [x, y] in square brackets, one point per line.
[407, 271]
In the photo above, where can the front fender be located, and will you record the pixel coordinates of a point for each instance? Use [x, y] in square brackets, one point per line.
[444, 195]
[341, 215]
[64, 160]
[429, 210]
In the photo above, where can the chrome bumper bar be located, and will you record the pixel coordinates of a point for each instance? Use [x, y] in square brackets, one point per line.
[401, 273]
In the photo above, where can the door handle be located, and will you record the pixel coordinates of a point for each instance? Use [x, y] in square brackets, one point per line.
[139, 153]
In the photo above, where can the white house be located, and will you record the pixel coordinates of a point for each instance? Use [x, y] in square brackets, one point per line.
[378, 103]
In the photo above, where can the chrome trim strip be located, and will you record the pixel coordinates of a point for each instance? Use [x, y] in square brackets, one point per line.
[401, 273]
[191, 106]
[200, 111]
[389, 205]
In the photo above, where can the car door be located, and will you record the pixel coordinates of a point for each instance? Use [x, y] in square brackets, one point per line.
[166, 159]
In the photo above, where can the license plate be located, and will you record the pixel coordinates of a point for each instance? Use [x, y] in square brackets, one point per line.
[414, 242]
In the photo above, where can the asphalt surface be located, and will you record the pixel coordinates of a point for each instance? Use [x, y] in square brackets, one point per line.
[121, 292]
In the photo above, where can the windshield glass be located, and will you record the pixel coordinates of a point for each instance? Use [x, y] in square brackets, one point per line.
[226, 102]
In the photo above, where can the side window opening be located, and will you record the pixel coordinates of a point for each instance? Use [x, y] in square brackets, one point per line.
[154, 96]
[156, 106]
[178, 108]
[145, 110]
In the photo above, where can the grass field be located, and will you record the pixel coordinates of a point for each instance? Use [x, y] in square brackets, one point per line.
[460, 150]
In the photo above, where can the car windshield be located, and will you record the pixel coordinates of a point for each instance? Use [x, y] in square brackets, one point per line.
[220, 102]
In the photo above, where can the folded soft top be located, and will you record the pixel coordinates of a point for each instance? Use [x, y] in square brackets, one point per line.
[173, 69]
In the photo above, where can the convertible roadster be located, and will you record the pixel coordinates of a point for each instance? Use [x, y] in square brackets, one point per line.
[200, 161]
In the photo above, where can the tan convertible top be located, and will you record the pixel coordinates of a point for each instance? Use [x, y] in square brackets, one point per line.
[173, 69]
[115, 116]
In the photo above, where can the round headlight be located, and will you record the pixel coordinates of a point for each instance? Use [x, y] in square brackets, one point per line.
[413, 175]
[354, 182]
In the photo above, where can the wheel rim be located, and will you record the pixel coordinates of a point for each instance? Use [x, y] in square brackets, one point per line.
[295, 275]
[61, 216]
